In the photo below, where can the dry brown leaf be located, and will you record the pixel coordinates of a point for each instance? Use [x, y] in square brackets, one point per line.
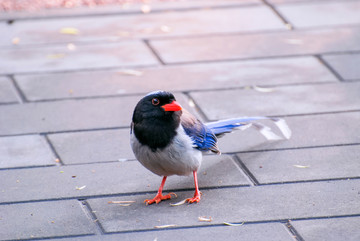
[205, 219]
[178, 203]
[130, 72]
[69, 31]
[55, 56]
[145, 8]
[234, 224]
[166, 226]
[15, 41]
[301, 166]
[80, 188]
[263, 90]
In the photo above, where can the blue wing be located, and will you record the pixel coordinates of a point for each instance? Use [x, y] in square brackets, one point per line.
[203, 138]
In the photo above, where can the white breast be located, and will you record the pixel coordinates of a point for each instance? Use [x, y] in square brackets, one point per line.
[178, 158]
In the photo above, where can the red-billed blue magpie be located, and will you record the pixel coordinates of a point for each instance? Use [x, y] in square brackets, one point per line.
[168, 140]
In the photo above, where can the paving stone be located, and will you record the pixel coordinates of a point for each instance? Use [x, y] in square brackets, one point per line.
[129, 7]
[277, 44]
[85, 114]
[300, 1]
[303, 164]
[193, 77]
[7, 93]
[249, 232]
[345, 64]
[331, 229]
[282, 100]
[172, 23]
[307, 131]
[85, 56]
[79, 181]
[247, 204]
[316, 14]
[43, 219]
[93, 146]
[25, 151]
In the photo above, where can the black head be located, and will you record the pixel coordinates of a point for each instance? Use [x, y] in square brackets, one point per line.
[156, 118]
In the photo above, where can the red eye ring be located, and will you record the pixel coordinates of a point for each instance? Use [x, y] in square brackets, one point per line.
[155, 101]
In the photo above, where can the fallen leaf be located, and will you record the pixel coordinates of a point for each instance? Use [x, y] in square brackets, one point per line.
[261, 89]
[300, 166]
[165, 29]
[145, 8]
[69, 31]
[234, 224]
[71, 46]
[15, 41]
[80, 188]
[55, 56]
[120, 202]
[205, 219]
[166, 226]
[130, 72]
[178, 203]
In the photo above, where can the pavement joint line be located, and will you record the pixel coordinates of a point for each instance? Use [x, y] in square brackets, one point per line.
[250, 176]
[154, 52]
[293, 231]
[118, 68]
[196, 107]
[26, 167]
[58, 237]
[278, 14]
[329, 67]
[92, 216]
[185, 92]
[19, 93]
[59, 161]
[125, 13]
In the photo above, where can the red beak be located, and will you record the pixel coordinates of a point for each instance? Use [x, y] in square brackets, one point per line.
[173, 106]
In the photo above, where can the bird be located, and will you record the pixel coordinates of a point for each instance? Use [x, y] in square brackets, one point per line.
[168, 140]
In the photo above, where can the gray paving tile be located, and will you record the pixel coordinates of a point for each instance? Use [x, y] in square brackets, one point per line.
[7, 93]
[347, 65]
[283, 100]
[60, 58]
[193, 77]
[129, 7]
[76, 181]
[249, 232]
[304, 164]
[307, 131]
[169, 23]
[44, 219]
[71, 115]
[25, 151]
[93, 146]
[331, 229]
[257, 45]
[317, 14]
[301, 1]
[256, 203]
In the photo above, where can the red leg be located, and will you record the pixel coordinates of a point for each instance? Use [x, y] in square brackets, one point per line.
[197, 193]
[159, 197]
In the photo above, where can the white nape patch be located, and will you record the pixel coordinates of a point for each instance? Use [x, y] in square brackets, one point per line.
[178, 158]
[154, 92]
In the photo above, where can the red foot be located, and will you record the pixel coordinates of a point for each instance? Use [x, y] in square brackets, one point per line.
[196, 198]
[158, 198]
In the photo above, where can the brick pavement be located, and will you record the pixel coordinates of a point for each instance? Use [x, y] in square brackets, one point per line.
[66, 103]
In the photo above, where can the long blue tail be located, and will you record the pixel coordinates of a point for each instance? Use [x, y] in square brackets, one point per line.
[226, 126]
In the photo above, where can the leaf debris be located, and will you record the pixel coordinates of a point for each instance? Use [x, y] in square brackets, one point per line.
[80, 188]
[166, 226]
[234, 224]
[205, 219]
[301, 166]
[178, 203]
[69, 31]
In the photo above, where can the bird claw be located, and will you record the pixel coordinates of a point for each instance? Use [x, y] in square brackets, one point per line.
[158, 198]
[194, 199]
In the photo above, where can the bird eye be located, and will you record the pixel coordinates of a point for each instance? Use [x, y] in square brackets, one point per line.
[155, 101]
